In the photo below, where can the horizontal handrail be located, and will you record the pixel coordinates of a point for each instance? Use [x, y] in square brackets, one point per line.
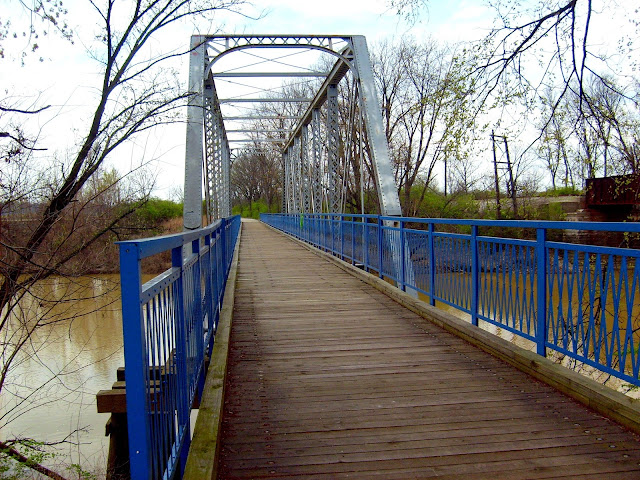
[169, 326]
[581, 302]
[633, 227]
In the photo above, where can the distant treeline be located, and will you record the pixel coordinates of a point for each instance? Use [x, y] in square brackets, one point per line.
[148, 218]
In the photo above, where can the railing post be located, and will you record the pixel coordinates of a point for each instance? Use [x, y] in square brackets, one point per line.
[380, 256]
[333, 235]
[214, 246]
[316, 237]
[341, 237]
[208, 290]
[432, 267]
[197, 294]
[183, 407]
[474, 275]
[365, 243]
[223, 237]
[353, 241]
[541, 281]
[135, 355]
[403, 259]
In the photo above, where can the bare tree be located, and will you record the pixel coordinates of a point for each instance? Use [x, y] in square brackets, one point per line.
[609, 134]
[255, 175]
[555, 147]
[424, 95]
[549, 50]
[58, 211]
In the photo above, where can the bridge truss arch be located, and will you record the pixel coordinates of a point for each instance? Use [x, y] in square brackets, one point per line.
[334, 135]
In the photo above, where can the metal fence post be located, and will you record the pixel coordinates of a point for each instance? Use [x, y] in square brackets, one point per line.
[183, 407]
[198, 311]
[432, 266]
[224, 239]
[541, 281]
[353, 241]
[365, 243]
[380, 256]
[333, 235]
[135, 355]
[474, 275]
[403, 260]
[341, 237]
[208, 290]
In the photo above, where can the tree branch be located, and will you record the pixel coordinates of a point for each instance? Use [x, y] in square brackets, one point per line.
[19, 457]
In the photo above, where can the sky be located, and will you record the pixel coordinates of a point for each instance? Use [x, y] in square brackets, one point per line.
[67, 77]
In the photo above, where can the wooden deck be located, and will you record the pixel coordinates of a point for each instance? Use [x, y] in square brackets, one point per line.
[330, 379]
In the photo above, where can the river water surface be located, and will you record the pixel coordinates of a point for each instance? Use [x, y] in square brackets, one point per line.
[52, 389]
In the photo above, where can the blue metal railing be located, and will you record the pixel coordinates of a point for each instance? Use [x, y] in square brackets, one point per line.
[169, 325]
[582, 301]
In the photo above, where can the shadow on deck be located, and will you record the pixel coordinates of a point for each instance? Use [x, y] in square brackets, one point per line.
[329, 378]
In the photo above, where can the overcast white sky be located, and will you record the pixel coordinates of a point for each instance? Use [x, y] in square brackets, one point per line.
[66, 77]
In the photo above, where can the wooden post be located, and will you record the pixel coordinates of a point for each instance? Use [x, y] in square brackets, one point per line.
[118, 459]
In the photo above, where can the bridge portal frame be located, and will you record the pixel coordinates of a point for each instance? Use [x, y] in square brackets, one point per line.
[207, 145]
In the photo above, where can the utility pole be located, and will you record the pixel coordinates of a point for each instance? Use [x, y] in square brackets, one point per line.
[512, 184]
[495, 172]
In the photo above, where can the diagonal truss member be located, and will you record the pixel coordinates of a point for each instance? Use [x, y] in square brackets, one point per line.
[312, 150]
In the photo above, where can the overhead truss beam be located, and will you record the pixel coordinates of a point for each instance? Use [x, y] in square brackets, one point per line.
[269, 74]
[265, 100]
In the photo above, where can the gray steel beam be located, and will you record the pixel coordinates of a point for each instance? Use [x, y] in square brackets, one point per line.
[258, 130]
[211, 143]
[264, 100]
[333, 141]
[338, 72]
[316, 169]
[192, 209]
[295, 163]
[256, 140]
[305, 178]
[269, 74]
[386, 186]
[265, 117]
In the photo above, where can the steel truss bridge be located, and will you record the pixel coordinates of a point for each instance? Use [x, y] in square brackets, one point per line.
[331, 379]
[318, 142]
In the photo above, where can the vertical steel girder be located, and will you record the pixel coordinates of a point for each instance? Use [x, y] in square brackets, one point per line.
[333, 142]
[286, 192]
[211, 144]
[297, 176]
[192, 209]
[316, 167]
[305, 179]
[217, 158]
[385, 182]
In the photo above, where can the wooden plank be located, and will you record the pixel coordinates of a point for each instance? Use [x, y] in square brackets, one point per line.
[328, 378]
[112, 401]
